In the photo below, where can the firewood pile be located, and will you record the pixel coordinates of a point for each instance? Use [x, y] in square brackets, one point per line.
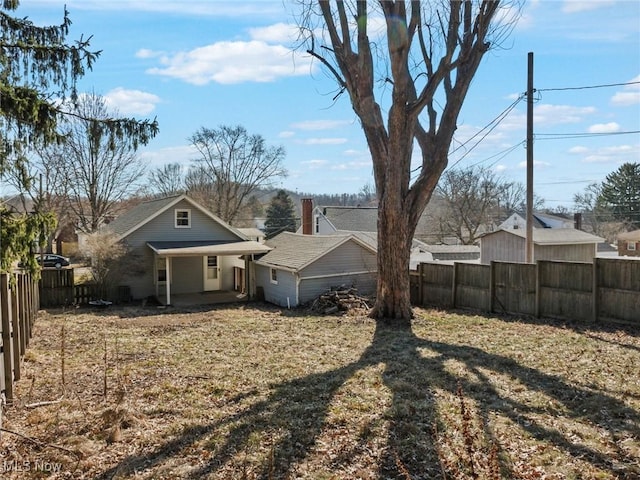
[339, 299]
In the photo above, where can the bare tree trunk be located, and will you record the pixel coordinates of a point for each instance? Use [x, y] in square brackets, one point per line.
[393, 301]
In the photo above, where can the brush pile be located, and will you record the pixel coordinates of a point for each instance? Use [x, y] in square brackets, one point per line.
[339, 299]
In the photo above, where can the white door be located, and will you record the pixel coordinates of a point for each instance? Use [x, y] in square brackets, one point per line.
[211, 273]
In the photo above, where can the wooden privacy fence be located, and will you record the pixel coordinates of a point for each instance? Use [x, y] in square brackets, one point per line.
[19, 300]
[607, 289]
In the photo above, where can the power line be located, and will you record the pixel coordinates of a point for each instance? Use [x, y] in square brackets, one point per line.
[562, 136]
[605, 85]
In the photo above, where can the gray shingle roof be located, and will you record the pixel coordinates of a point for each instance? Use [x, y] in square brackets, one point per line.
[295, 251]
[140, 213]
[363, 219]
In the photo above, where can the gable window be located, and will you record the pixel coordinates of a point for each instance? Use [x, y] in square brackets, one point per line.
[183, 218]
[317, 222]
[631, 246]
[274, 276]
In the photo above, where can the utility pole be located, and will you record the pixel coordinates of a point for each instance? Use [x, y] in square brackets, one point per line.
[530, 90]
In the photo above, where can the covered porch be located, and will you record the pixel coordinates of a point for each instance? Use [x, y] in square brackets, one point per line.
[204, 272]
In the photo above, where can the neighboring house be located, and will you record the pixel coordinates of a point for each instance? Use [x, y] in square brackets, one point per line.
[301, 267]
[328, 220]
[178, 246]
[254, 234]
[447, 252]
[629, 244]
[563, 244]
[517, 221]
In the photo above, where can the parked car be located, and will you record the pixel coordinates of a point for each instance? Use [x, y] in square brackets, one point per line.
[51, 260]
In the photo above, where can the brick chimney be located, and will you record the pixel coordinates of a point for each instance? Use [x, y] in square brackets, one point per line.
[307, 216]
[577, 221]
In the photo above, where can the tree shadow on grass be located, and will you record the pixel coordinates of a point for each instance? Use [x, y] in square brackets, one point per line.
[294, 415]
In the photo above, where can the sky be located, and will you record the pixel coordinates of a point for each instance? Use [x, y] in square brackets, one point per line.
[193, 64]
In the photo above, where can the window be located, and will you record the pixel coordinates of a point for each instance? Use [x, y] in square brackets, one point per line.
[631, 246]
[161, 270]
[274, 276]
[183, 218]
[317, 222]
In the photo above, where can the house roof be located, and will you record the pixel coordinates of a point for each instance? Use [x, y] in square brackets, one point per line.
[251, 232]
[211, 247]
[632, 235]
[552, 236]
[362, 219]
[144, 212]
[365, 219]
[293, 251]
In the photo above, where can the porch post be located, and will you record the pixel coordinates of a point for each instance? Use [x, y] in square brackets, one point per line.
[168, 282]
[247, 276]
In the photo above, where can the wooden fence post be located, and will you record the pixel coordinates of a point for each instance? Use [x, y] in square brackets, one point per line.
[454, 284]
[7, 341]
[17, 332]
[594, 291]
[492, 286]
[421, 284]
[537, 306]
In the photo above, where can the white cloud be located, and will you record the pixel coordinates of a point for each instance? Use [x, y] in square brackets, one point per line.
[612, 154]
[536, 164]
[276, 33]
[158, 158]
[626, 98]
[578, 150]
[547, 114]
[286, 134]
[315, 164]
[500, 168]
[131, 102]
[604, 128]
[324, 141]
[629, 96]
[234, 62]
[320, 124]
[575, 6]
[148, 53]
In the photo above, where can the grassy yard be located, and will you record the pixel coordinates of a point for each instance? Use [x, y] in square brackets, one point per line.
[260, 393]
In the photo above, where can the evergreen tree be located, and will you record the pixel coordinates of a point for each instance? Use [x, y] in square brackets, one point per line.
[281, 215]
[621, 193]
[38, 68]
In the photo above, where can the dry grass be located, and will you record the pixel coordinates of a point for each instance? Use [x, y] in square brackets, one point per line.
[244, 393]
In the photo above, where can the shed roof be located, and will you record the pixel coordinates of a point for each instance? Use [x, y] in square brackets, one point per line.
[552, 236]
[293, 251]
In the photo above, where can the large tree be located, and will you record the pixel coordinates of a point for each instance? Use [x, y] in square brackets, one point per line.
[621, 193]
[38, 69]
[471, 200]
[233, 165]
[167, 180]
[408, 92]
[97, 171]
[281, 215]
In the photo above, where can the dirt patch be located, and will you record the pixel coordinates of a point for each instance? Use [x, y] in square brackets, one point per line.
[257, 392]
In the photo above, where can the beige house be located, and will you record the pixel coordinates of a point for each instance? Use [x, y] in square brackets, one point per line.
[629, 244]
[563, 244]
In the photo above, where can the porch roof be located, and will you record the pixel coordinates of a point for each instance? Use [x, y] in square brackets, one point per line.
[204, 247]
